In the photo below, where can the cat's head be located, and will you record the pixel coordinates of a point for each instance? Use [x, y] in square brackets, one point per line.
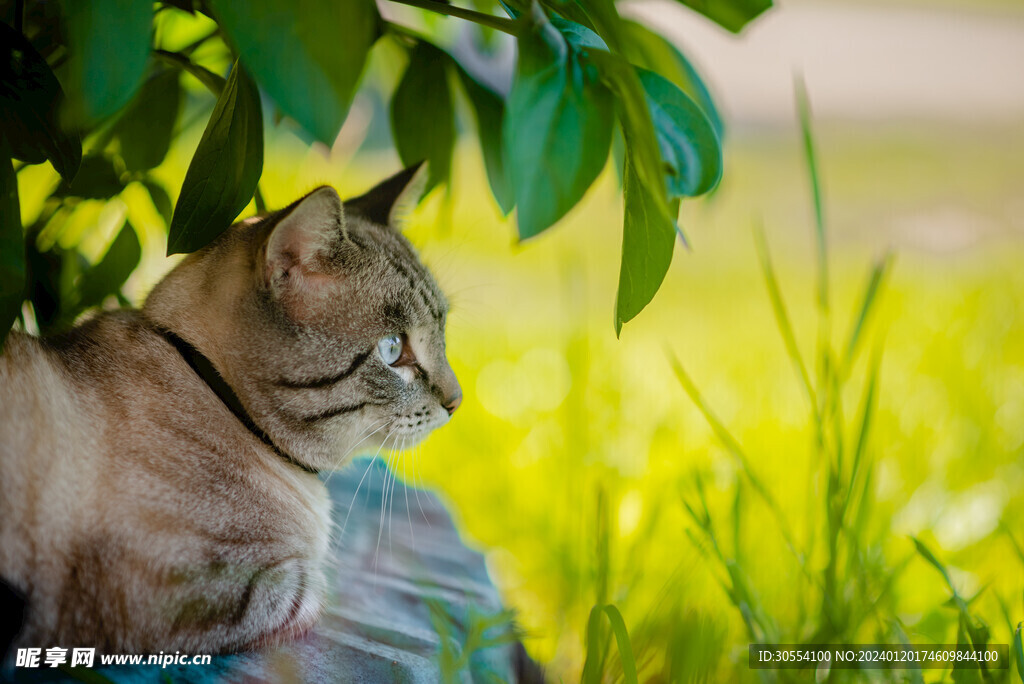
[324, 321]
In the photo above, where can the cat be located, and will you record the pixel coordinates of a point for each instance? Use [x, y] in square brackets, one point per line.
[158, 467]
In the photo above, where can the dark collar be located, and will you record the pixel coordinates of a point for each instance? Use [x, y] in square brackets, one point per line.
[208, 374]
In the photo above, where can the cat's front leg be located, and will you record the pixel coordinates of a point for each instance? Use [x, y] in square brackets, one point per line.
[226, 607]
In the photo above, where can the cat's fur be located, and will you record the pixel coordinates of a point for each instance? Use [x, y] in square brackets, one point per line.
[137, 512]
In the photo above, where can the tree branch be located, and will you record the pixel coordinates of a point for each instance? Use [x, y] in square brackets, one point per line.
[261, 204]
[213, 82]
[502, 24]
[189, 49]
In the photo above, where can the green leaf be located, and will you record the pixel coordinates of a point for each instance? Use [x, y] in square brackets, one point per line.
[604, 18]
[422, 116]
[630, 101]
[689, 145]
[146, 127]
[730, 14]
[307, 55]
[30, 101]
[648, 239]
[573, 11]
[97, 179]
[619, 154]
[578, 36]
[112, 271]
[109, 42]
[225, 169]
[490, 112]
[557, 129]
[647, 49]
[649, 215]
[12, 246]
[637, 126]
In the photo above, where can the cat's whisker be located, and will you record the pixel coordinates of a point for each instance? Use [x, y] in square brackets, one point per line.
[400, 454]
[352, 448]
[391, 496]
[338, 532]
[408, 513]
[383, 504]
[417, 481]
[355, 495]
[391, 493]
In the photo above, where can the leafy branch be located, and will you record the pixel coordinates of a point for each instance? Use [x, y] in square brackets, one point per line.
[581, 71]
[509, 26]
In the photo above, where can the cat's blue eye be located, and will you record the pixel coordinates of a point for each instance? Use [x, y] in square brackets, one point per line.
[390, 349]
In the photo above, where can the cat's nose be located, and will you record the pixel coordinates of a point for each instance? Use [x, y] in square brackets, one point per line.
[453, 403]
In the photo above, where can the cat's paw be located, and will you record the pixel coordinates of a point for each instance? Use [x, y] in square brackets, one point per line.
[288, 605]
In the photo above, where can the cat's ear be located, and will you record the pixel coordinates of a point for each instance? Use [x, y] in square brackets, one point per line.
[300, 241]
[392, 197]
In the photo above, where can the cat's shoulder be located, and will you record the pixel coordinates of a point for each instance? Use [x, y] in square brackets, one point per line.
[113, 328]
[109, 342]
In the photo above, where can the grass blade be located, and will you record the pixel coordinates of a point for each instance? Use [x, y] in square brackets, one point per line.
[867, 410]
[914, 671]
[927, 554]
[737, 519]
[603, 552]
[591, 669]
[803, 107]
[1018, 652]
[1005, 610]
[721, 432]
[737, 452]
[1013, 541]
[875, 279]
[622, 640]
[735, 588]
[824, 314]
[783, 321]
[958, 600]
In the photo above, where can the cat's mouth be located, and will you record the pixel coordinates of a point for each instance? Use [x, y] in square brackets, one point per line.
[409, 430]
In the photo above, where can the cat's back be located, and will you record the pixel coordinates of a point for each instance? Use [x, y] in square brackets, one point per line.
[58, 399]
[41, 408]
[42, 428]
[116, 456]
[52, 389]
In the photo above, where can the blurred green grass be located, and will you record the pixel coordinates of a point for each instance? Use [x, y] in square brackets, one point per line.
[559, 415]
[559, 410]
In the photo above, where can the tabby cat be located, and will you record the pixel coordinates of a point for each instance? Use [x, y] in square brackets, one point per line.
[158, 467]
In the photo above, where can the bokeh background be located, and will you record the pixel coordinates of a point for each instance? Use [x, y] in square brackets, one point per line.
[581, 467]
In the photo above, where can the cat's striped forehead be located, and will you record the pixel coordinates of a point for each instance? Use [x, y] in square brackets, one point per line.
[405, 291]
